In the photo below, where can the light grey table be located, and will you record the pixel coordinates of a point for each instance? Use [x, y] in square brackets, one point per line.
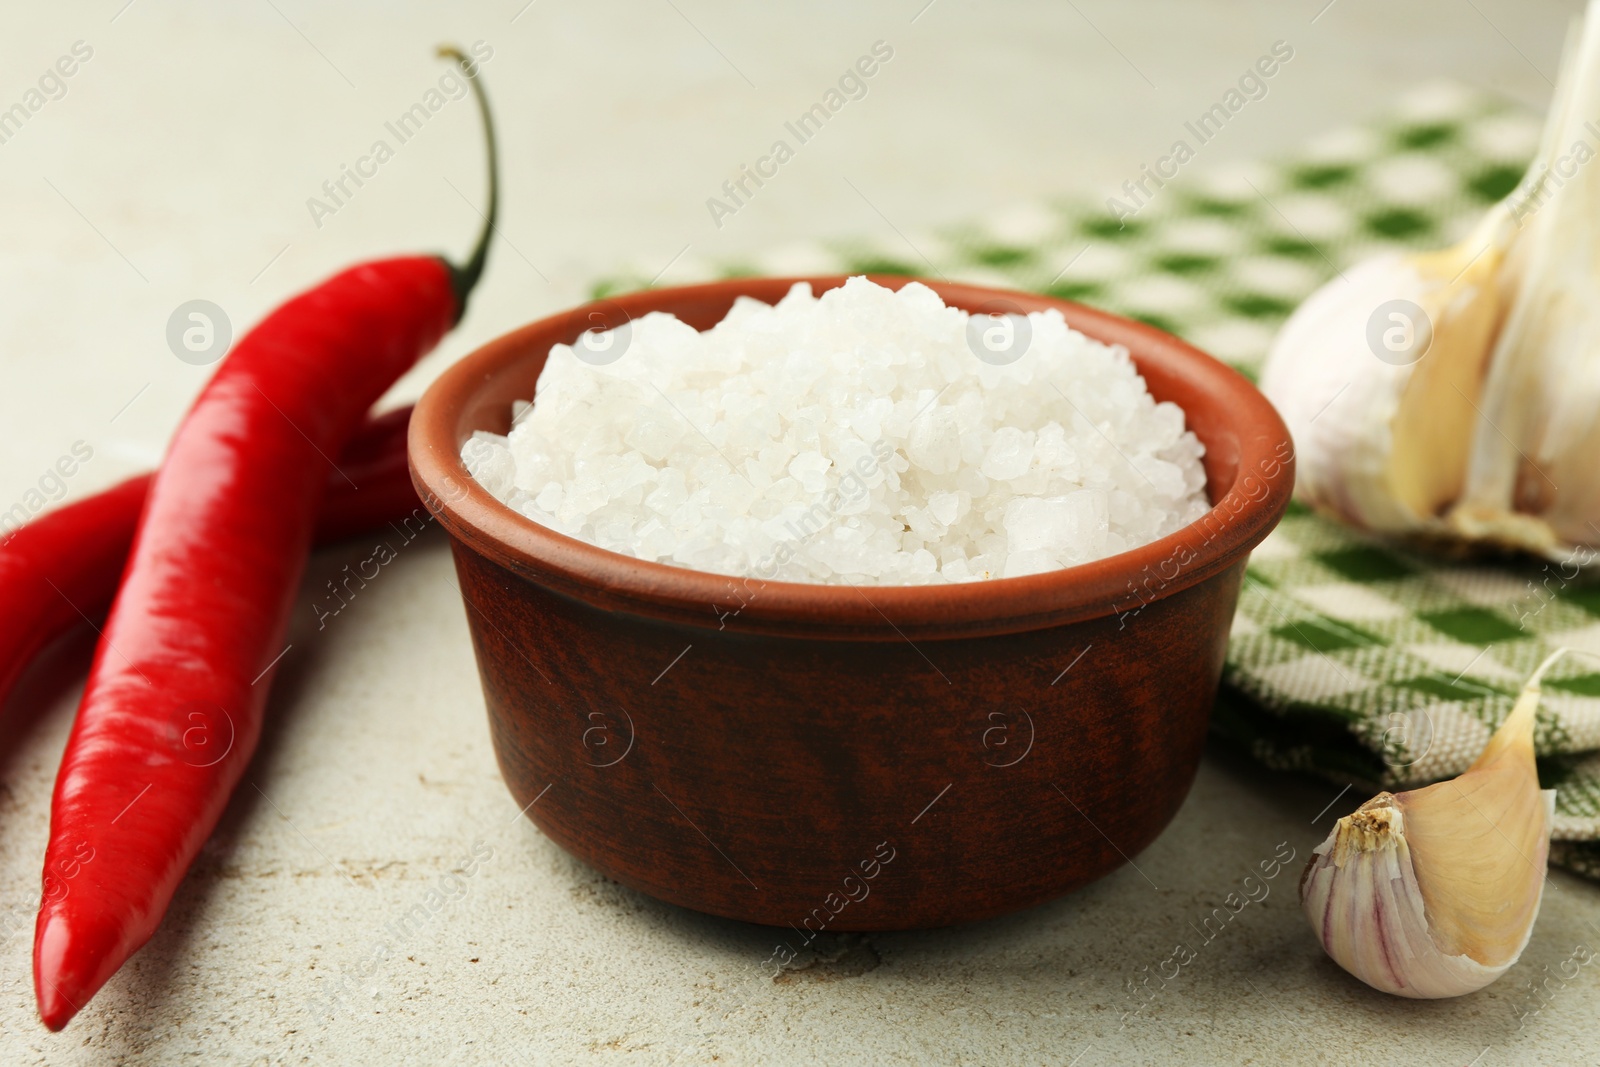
[178, 165]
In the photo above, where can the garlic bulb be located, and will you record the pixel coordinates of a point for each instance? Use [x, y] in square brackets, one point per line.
[1433, 892]
[1452, 395]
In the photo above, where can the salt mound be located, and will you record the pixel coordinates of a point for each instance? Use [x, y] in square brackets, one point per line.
[854, 437]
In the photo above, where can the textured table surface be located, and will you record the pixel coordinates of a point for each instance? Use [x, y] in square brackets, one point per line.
[177, 165]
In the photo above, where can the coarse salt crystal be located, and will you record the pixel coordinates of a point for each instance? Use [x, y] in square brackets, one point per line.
[860, 437]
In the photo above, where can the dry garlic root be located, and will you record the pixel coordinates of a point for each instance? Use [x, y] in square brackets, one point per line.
[1456, 394]
[1433, 892]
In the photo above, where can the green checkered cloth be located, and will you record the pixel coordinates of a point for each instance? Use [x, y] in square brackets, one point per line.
[1357, 660]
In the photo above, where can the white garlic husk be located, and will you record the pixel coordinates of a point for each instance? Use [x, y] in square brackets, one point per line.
[1433, 892]
[1453, 395]
[1539, 435]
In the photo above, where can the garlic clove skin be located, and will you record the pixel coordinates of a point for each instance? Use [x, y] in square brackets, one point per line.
[1334, 403]
[1362, 894]
[1433, 892]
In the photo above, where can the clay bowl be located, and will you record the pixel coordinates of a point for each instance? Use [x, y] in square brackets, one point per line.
[815, 756]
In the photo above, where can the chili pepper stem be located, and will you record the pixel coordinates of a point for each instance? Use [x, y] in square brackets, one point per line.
[464, 278]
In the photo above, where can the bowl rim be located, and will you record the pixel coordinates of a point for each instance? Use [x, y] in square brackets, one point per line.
[1241, 516]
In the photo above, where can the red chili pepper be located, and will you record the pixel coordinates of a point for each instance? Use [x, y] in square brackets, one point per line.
[61, 570]
[375, 463]
[198, 625]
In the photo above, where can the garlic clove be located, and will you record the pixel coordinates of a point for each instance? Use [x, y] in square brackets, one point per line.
[1433, 892]
[1389, 441]
[1432, 428]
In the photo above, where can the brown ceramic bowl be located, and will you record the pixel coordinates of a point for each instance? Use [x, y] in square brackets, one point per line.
[822, 756]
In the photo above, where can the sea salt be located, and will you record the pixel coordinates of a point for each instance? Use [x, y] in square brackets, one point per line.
[865, 436]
